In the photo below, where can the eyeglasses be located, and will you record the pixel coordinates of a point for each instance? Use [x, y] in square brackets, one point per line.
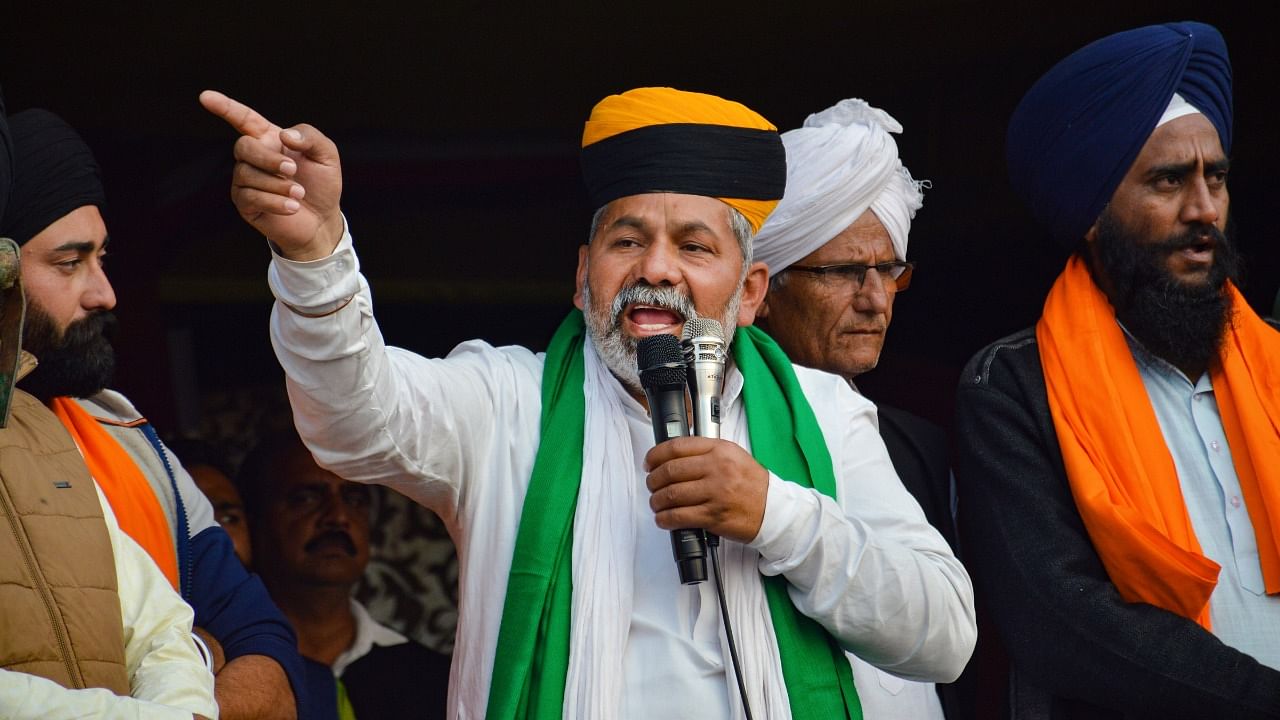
[897, 271]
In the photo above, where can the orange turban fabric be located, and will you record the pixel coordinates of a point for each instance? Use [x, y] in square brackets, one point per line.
[665, 140]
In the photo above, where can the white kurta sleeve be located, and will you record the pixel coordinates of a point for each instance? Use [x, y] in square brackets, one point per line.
[167, 676]
[373, 413]
[164, 665]
[868, 566]
[30, 697]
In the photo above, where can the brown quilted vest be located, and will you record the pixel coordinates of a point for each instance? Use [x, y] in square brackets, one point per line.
[59, 605]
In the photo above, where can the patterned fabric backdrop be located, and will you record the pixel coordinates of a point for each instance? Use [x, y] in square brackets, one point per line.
[411, 583]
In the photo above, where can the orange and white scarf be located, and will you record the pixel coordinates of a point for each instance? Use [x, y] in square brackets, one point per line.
[127, 489]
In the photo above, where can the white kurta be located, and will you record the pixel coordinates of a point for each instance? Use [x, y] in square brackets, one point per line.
[460, 434]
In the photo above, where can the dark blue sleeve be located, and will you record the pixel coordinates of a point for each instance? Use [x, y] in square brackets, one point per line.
[232, 605]
[322, 692]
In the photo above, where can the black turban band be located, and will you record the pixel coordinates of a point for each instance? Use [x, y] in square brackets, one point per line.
[690, 158]
[1079, 129]
[53, 173]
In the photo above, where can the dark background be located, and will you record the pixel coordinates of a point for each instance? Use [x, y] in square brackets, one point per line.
[459, 123]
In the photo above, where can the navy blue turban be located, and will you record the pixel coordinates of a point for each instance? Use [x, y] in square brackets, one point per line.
[53, 173]
[1078, 130]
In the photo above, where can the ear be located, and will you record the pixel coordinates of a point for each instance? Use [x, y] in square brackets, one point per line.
[762, 315]
[1091, 236]
[1088, 249]
[754, 289]
[580, 278]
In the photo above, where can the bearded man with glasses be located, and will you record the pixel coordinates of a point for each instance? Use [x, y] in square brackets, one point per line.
[836, 248]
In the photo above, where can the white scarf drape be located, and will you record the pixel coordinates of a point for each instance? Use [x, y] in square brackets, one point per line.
[840, 163]
[604, 541]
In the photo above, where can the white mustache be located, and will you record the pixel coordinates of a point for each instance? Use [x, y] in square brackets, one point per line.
[665, 297]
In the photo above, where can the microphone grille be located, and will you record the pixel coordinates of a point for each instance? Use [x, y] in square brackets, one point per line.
[702, 327]
[660, 360]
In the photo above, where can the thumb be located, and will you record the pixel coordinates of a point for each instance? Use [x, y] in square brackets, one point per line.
[309, 142]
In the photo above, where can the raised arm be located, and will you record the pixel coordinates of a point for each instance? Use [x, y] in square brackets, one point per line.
[287, 182]
[368, 412]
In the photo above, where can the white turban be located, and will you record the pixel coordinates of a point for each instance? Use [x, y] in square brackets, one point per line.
[840, 163]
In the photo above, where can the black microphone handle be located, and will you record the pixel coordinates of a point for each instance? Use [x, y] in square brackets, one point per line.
[667, 412]
[670, 419]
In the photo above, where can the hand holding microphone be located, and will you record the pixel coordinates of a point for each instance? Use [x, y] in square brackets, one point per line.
[702, 481]
[698, 482]
[662, 375]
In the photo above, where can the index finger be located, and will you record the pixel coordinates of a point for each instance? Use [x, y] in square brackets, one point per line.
[243, 118]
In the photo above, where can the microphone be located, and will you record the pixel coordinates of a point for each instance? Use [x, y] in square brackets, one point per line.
[703, 344]
[662, 375]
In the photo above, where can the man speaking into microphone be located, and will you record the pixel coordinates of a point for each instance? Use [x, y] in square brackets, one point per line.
[544, 468]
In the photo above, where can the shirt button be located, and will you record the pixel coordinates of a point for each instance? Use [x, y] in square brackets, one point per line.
[1197, 397]
[1214, 444]
[1235, 501]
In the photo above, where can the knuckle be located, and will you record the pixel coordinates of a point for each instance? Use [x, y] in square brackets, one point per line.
[664, 498]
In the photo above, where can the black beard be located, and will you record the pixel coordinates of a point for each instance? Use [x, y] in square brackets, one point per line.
[1180, 322]
[77, 362]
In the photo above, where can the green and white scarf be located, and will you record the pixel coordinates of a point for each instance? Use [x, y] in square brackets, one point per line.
[532, 660]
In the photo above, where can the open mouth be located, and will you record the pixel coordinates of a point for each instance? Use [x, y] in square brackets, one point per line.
[653, 319]
[1199, 252]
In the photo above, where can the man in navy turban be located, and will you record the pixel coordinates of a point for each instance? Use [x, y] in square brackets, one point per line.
[1117, 464]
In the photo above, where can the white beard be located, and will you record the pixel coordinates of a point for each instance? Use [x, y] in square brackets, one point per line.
[616, 349]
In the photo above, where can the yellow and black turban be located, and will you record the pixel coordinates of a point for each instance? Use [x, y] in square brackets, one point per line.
[665, 140]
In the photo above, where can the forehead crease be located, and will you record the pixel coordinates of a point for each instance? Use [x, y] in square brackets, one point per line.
[853, 248]
[691, 227]
[630, 221]
[1194, 138]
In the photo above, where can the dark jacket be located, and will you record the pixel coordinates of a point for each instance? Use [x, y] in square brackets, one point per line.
[920, 455]
[398, 681]
[1076, 648]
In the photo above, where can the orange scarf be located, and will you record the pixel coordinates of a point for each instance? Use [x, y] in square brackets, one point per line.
[1120, 470]
[127, 489]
